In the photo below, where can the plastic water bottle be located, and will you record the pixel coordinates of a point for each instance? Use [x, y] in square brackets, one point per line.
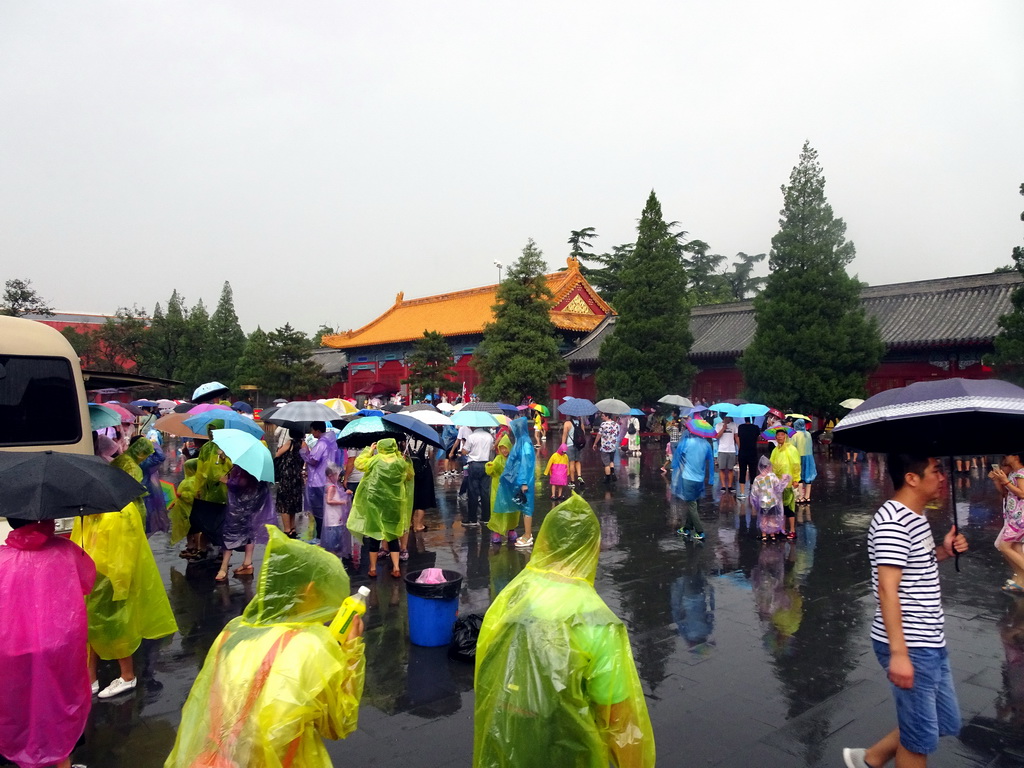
[354, 605]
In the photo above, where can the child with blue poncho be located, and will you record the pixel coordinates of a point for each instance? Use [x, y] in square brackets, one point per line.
[808, 470]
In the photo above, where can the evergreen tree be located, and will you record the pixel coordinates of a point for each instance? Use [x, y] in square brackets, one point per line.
[20, 298]
[430, 364]
[706, 283]
[226, 339]
[814, 345]
[175, 330]
[519, 354]
[1009, 354]
[291, 373]
[607, 278]
[120, 343]
[192, 363]
[323, 330]
[647, 354]
[740, 277]
[254, 366]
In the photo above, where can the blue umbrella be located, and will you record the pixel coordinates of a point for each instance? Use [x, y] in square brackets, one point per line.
[100, 416]
[750, 410]
[368, 429]
[636, 412]
[726, 409]
[369, 412]
[247, 452]
[413, 427]
[466, 418]
[578, 406]
[232, 420]
[145, 403]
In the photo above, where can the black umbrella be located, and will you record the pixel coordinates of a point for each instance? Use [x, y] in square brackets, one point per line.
[951, 417]
[420, 407]
[184, 407]
[498, 409]
[48, 485]
[413, 427]
[391, 408]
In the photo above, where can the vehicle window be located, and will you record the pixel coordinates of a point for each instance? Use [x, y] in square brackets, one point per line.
[38, 401]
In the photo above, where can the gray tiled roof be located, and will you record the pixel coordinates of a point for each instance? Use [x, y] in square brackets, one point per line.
[921, 314]
[590, 345]
[333, 361]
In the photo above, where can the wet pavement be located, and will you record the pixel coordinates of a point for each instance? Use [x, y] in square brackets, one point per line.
[749, 653]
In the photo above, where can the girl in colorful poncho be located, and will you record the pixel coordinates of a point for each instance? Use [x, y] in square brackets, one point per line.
[504, 511]
[128, 602]
[558, 469]
[766, 499]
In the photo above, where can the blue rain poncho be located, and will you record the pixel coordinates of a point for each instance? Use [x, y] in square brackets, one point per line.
[382, 505]
[805, 447]
[275, 682]
[521, 467]
[555, 679]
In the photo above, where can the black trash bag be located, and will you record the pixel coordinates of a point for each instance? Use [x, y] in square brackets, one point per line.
[464, 637]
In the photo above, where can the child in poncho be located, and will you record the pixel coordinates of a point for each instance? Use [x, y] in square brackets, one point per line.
[181, 508]
[766, 499]
[504, 512]
[558, 469]
[336, 536]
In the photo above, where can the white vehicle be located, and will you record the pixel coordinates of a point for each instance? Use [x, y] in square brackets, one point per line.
[42, 395]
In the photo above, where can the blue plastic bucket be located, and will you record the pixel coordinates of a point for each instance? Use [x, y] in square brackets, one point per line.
[433, 609]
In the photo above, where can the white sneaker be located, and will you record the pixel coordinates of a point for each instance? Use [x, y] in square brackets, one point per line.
[854, 757]
[524, 542]
[95, 687]
[117, 687]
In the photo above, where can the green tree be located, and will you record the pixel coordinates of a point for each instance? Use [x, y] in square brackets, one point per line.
[20, 298]
[647, 354]
[226, 339]
[83, 342]
[254, 366]
[1009, 355]
[430, 364]
[580, 239]
[814, 345]
[323, 330]
[120, 343]
[519, 353]
[706, 283]
[195, 346]
[291, 373]
[741, 278]
[607, 278]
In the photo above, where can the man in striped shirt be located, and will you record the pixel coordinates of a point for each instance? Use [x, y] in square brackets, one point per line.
[907, 632]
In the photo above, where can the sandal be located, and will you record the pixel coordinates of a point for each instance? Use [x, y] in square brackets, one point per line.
[244, 570]
[372, 573]
[222, 575]
[395, 573]
[1012, 587]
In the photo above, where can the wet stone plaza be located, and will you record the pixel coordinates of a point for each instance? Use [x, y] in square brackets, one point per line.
[750, 653]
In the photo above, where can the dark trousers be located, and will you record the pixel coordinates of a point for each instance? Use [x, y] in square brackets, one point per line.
[315, 505]
[479, 490]
[748, 465]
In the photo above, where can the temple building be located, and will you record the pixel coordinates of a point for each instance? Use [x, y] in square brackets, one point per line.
[376, 352]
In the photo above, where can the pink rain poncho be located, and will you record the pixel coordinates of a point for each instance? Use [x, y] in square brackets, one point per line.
[43, 672]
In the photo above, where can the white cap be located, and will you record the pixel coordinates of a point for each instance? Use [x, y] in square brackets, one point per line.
[364, 591]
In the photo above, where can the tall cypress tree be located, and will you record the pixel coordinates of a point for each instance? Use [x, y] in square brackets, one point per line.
[814, 345]
[647, 354]
[519, 354]
[226, 339]
[195, 347]
[1009, 354]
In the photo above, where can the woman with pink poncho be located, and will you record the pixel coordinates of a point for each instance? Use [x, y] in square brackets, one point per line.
[43, 673]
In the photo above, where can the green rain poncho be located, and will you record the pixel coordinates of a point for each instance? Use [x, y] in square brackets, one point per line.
[555, 678]
[181, 510]
[382, 506]
[239, 713]
[504, 511]
[128, 602]
[212, 467]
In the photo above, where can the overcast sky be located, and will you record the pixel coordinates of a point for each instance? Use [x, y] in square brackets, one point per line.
[324, 155]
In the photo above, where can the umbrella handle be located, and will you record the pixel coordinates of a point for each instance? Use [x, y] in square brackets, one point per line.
[956, 523]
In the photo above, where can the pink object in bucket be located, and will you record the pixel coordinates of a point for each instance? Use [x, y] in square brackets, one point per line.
[431, 576]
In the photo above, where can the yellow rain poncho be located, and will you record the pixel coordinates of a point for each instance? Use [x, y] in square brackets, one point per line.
[128, 602]
[555, 678]
[382, 505]
[504, 512]
[275, 682]
[181, 509]
[786, 461]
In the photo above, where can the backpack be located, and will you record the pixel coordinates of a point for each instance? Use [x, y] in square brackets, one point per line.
[579, 437]
[632, 429]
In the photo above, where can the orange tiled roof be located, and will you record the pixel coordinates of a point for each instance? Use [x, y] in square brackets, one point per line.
[460, 313]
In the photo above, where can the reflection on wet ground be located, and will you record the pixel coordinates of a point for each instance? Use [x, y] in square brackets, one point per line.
[749, 653]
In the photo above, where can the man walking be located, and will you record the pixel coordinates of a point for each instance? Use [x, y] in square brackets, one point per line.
[907, 631]
[607, 441]
[477, 450]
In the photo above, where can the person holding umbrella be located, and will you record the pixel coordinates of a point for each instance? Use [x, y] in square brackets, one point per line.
[907, 630]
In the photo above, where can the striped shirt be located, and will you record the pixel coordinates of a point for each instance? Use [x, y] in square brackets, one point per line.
[902, 538]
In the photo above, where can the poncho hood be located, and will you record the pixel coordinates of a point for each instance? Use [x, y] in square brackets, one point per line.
[140, 450]
[298, 584]
[387, 447]
[569, 541]
[32, 536]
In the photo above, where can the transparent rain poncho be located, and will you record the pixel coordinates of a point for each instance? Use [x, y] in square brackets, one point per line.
[382, 505]
[555, 679]
[128, 602]
[181, 510]
[275, 682]
[786, 461]
[520, 470]
[804, 444]
[504, 511]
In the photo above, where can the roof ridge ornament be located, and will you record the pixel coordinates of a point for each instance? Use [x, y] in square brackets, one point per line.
[399, 297]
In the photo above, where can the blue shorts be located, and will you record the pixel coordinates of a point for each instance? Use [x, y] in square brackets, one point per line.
[929, 709]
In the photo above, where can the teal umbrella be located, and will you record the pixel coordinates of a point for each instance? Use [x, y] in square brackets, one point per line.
[366, 430]
[466, 418]
[100, 416]
[199, 422]
[247, 452]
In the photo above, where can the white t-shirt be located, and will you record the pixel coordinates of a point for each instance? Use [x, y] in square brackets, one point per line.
[727, 440]
[478, 445]
[899, 536]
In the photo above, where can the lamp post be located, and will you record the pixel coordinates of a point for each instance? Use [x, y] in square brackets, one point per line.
[499, 265]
